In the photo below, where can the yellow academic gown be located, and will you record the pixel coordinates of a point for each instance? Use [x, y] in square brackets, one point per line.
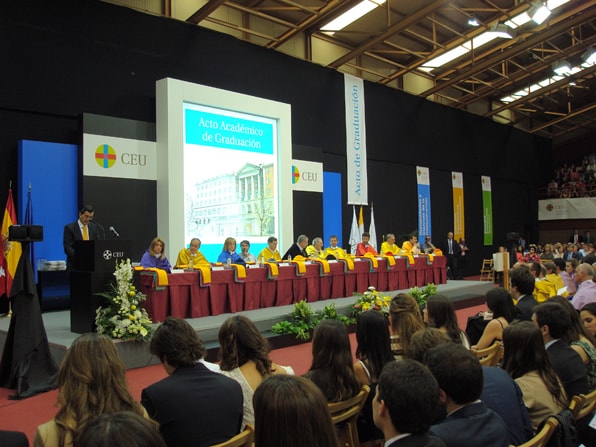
[185, 260]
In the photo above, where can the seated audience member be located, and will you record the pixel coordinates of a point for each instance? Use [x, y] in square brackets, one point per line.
[500, 304]
[405, 319]
[410, 247]
[191, 257]
[364, 247]
[315, 250]
[588, 316]
[270, 252]
[404, 405]
[553, 321]
[580, 340]
[244, 253]
[91, 381]
[548, 253]
[155, 256]
[10, 438]
[373, 352]
[499, 392]
[565, 270]
[586, 287]
[526, 361]
[522, 287]
[553, 278]
[543, 290]
[331, 369]
[192, 405]
[532, 256]
[389, 247]
[292, 412]
[334, 250]
[469, 422]
[229, 253]
[121, 429]
[244, 355]
[427, 246]
[439, 313]
[298, 248]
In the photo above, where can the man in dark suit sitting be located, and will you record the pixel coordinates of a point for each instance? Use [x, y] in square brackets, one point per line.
[82, 229]
[553, 321]
[404, 405]
[297, 249]
[193, 405]
[469, 422]
[522, 288]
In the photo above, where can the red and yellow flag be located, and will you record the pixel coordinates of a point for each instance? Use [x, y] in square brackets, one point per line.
[11, 251]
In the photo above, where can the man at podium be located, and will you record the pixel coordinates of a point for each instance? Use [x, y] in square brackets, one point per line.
[82, 229]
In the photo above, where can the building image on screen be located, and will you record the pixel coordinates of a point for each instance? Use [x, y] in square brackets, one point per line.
[230, 161]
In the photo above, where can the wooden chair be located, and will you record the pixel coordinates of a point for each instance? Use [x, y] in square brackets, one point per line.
[583, 405]
[344, 415]
[490, 356]
[242, 439]
[487, 272]
[543, 436]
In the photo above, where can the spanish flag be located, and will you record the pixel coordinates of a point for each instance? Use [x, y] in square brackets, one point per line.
[11, 251]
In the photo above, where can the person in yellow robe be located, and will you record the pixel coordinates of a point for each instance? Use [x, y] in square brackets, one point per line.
[543, 289]
[270, 252]
[389, 246]
[552, 277]
[191, 257]
[335, 250]
[316, 249]
[410, 247]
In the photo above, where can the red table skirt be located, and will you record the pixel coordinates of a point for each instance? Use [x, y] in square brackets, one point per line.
[184, 297]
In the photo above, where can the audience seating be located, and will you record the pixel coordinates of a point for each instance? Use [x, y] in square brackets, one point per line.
[543, 436]
[490, 356]
[344, 415]
[583, 405]
[243, 439]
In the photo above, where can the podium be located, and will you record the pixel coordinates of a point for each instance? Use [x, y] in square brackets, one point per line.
[94, 266]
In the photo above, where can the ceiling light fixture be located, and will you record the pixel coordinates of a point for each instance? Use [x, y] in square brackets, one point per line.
[562, 67]
[502, 30]
[473, 21]
[539, 12]
[350, 16]
[589, 56]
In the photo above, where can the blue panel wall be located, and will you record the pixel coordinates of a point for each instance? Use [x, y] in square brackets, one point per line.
[332, 206]
[51, 169]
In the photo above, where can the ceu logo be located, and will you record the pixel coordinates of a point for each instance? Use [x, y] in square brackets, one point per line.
[107, 255]
[105, 156]
[549, 207]
[295, 175]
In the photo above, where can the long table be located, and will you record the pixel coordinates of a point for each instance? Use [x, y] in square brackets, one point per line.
[185, 297]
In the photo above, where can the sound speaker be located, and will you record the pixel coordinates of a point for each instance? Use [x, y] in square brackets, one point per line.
[25, 233]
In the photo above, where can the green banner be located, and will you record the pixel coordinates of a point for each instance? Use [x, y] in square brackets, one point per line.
[487, 209]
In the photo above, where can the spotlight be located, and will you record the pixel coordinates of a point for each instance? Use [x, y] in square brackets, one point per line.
[539, 12]
[562, 68]
[502, 30]
[589, 56]
[473, 21]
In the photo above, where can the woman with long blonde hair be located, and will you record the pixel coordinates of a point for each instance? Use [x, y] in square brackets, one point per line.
[405, 318]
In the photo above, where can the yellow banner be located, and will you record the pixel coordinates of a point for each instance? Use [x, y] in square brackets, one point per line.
[458, 205]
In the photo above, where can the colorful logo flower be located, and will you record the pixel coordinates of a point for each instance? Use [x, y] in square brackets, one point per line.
[295, 175]
[105, 156]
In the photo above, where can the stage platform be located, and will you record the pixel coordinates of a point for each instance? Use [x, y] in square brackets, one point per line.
[134, 355]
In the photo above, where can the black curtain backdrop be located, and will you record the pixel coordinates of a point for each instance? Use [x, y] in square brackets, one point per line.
[65, 58]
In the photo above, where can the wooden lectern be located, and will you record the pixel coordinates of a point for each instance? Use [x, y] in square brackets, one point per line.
[94, 266]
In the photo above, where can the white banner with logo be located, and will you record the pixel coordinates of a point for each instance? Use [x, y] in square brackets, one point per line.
[307, 176]
[105, 156]
[556, 209]
[357, 180]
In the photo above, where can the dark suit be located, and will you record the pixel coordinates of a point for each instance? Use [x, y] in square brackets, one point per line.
[580, 239]
[471, 426]
[294, 251]
[13, 439]
[501, 394]
[569, 367]
[525, 307]
[452, 258]
[72, 233]
[423, 440]
[195, 406]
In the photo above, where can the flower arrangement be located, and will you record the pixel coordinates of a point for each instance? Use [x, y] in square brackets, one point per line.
[372, 299]
[422, 294]
[122, 316]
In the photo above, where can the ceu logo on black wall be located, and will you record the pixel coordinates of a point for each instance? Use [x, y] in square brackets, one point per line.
[105, 156]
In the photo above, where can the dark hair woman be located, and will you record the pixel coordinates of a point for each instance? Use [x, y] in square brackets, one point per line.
[500, 304]
[439, 313]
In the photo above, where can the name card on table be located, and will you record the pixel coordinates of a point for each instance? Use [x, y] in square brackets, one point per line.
[177, 271]
[284, 264]
[218, 267]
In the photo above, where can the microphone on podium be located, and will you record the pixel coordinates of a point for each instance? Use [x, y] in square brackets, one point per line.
[113, 230]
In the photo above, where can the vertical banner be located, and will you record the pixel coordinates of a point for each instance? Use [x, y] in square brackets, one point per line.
[487, 207]
[423, 180]
[459, 230]
[356, 179]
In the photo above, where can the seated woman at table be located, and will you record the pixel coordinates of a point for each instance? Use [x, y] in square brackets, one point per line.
[405, 319]
[316, 249]
[410, 247]
[244, 355]
[439, 313]
[244, 253]
[229, 252]
[389, 247]
[155, 256]
[500, 304]
[191, 257]
[270, 253]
